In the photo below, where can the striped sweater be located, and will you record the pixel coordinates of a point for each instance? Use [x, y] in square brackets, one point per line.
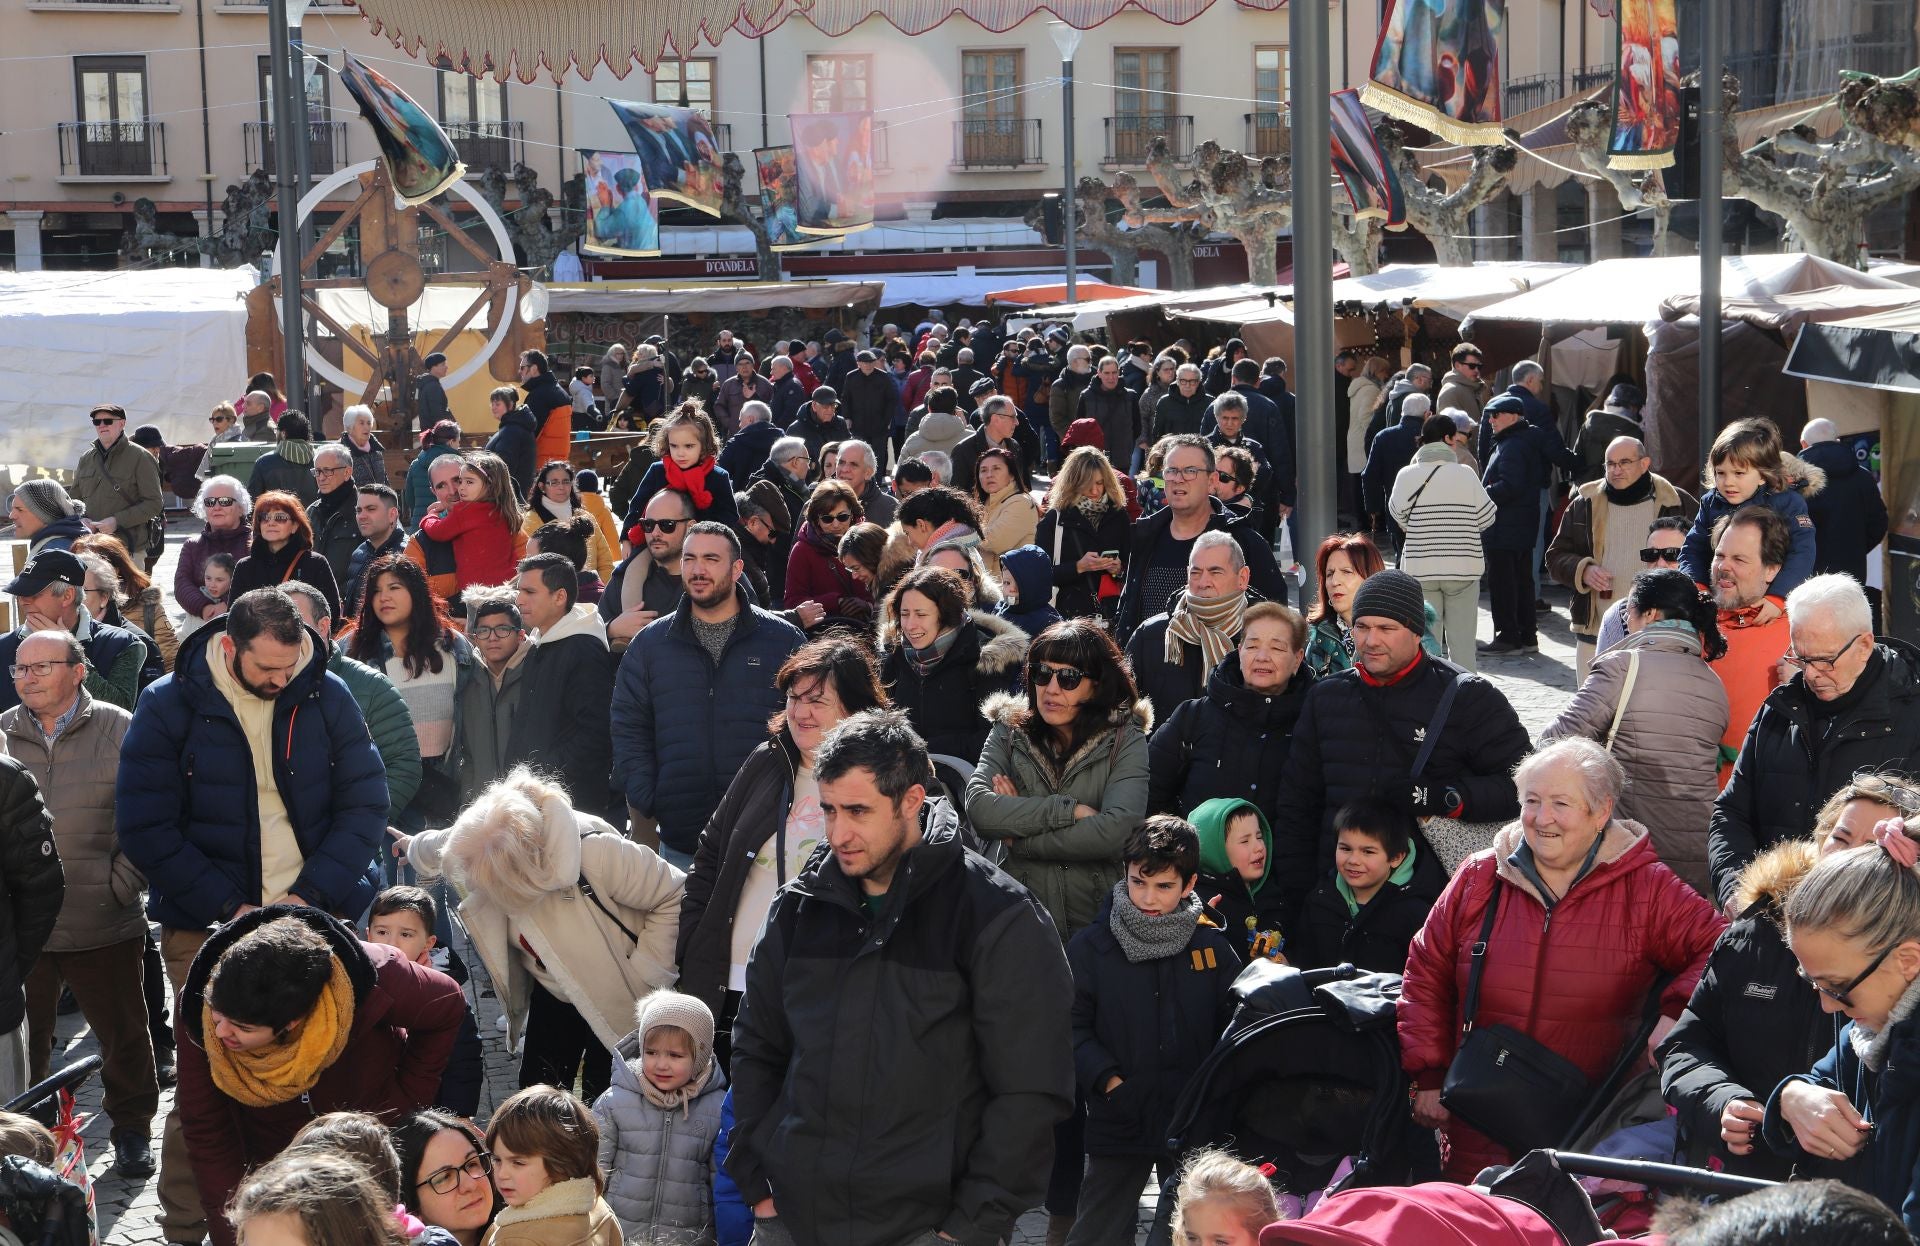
[1443, 508]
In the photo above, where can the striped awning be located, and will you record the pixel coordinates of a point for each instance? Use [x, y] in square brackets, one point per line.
[552, 37]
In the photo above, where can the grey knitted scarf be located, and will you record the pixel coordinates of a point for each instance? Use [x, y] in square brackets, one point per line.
[1145, 936]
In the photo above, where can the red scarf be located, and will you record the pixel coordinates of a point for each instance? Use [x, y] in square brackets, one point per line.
[1366, 676]
[691, 481]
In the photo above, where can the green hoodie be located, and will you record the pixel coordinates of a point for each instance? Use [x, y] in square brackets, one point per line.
[1211, 819]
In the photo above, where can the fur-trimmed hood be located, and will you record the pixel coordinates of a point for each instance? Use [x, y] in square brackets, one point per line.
[1771, 876]
[1007, 707]
[1003, 644]
[1802, 477]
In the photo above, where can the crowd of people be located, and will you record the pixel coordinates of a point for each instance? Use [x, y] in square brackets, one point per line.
[863, 807]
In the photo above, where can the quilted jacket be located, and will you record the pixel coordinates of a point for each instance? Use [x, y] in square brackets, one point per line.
[659, 1161]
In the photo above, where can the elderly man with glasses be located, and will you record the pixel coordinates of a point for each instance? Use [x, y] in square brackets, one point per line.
[1596, 553]
[1852, 705]
[119, 484]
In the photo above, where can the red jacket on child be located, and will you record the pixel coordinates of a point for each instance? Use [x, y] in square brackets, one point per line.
[482, 542]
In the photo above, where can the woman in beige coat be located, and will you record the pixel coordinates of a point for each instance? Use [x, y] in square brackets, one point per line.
[1008, 514]
[573, 921]
[1660, 710]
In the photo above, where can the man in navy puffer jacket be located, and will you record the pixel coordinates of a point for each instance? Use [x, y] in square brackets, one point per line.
[694, 692]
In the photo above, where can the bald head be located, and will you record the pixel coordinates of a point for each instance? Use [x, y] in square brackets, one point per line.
[1627, 462]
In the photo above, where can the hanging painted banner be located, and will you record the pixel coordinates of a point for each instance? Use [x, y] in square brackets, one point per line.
[833, 171]
[678, 153]
[1646, 90]
[1371, 185]
[777, 193]
[1437, 65]
[620, 219]
[421, 160]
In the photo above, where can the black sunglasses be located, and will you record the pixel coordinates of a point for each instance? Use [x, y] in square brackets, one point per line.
[1470, 363]
[100, 423]
[665, 525]
[1660, 555]
[1069, 677]
[837, 517]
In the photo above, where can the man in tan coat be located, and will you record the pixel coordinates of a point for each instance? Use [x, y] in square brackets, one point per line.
[99, 940]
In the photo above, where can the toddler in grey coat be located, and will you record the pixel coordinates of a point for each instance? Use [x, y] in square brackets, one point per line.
[659, 1121]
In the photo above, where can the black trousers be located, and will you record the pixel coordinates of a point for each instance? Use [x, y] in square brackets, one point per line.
[1069, 1163]
[1511, 589]
[559, 1043]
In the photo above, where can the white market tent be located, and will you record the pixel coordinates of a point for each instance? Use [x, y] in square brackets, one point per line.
[165, 343]
[1093, 315]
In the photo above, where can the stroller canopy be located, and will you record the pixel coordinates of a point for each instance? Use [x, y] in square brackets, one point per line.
[1421, 1215]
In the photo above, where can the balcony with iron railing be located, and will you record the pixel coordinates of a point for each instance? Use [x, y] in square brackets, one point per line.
[121, 5]
[113, 149]
[326, 147]
[489, 145]
[723, 135]
[981, 143]
[882, 149]
[1267, 133]
[1130, 137]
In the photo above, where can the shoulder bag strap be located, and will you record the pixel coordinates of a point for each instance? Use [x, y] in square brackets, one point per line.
[1415, 499]
[1626, 694]
[1435, 727]
[1479, 954]
[586, 889]
[1059, 534]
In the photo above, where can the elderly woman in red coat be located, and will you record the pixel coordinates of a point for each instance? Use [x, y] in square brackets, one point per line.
[1588, 920]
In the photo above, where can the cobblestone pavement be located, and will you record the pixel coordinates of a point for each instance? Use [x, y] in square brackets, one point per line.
[1538, 685]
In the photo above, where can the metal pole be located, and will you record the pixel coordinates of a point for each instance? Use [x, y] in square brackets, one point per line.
[303, 124]
[1070, 214]
[1312, 273]
[293, 366]
[1713, 43]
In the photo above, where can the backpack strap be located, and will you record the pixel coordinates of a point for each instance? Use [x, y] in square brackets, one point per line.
[586, 889]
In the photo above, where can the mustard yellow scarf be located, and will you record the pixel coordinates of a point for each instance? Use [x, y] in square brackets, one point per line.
[284, 1071]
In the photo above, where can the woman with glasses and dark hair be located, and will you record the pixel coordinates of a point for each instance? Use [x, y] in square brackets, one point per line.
[767, 825]
[1753, 1021]
[446, 1174]
[814, 571]
[282, 550]
[940, 659]
[1660, 710]
[555, 498]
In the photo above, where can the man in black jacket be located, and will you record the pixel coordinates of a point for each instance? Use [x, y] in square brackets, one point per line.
[1209, 611]
[1157, 565]
[567, 693]
[903, 1048]
[1849, 515]
[1000, 425]
[1516, 479]
[1362, 729]
[1853, 707]
[334, 533]
[32, 887]
[1392, 450]
[869, 399]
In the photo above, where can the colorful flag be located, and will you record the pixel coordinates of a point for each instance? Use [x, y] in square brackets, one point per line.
[1437, 65]
[777, 193]
[1371, 185]
[620, 219]
[833, 168]
[421, 160]
[1646, 87]
[679, 155]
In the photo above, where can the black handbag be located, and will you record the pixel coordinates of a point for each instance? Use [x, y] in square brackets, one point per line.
[1507, 1085]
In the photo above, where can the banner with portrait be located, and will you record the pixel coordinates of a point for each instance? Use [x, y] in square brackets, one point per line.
[1646, 87]
[833, 171]
[1373, 188]
[620, 216]
[778, 190]
[421, 160]
[1437, 65]
[680, 159]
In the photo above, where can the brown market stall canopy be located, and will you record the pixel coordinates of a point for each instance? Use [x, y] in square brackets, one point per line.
[862, 298]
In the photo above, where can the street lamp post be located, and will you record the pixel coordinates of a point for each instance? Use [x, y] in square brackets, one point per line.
[301, 121]
[1312, 270]
[1067, 39]
[1713, 39]
[282, 17]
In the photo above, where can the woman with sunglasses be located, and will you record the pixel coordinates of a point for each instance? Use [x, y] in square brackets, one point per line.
[1854, 926]
[814, 571]
[282, 550]
[1660, 710]
[446, 1174]
[223, 507]
[1753, 1021]
[940, 659]
[1585, 922]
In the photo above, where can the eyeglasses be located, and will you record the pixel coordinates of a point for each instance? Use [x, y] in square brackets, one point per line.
[837, 517]
[94, 591]
[1819, 666]
[331, 471]
[495, 631]
[219, 419]
[665, 525]
[39, 670]
[102, 423]
[272, 517]
[1185, 473]
[1844, 995]
[446, 1180]
[1651, 555]
[219, 503]
[1069, 677]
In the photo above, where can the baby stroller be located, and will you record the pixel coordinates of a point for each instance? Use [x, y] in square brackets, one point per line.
[1307, 1077]
[51, 1206]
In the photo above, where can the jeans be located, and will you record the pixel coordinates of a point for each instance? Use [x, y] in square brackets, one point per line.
[1457, 604]
[559, 1043]
[1511, 591]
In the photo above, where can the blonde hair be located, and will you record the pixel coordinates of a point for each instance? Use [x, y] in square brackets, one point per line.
[500, 846]
[22, 1135]
[1891, 790]
[335, 1200]
[1085, 465]
[1219, 1176]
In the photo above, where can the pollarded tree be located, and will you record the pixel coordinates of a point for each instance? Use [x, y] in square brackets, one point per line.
[1228, 193]
[1590, 127]
[1446, 217]
[1123, 246]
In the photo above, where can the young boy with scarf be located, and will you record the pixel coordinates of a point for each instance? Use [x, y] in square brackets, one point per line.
[1150, 998]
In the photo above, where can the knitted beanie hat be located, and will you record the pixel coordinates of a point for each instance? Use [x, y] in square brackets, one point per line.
[46, 499]
[1392, 595]
[684, 1012]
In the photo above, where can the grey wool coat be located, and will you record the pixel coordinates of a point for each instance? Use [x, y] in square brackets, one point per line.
[659, 1163]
